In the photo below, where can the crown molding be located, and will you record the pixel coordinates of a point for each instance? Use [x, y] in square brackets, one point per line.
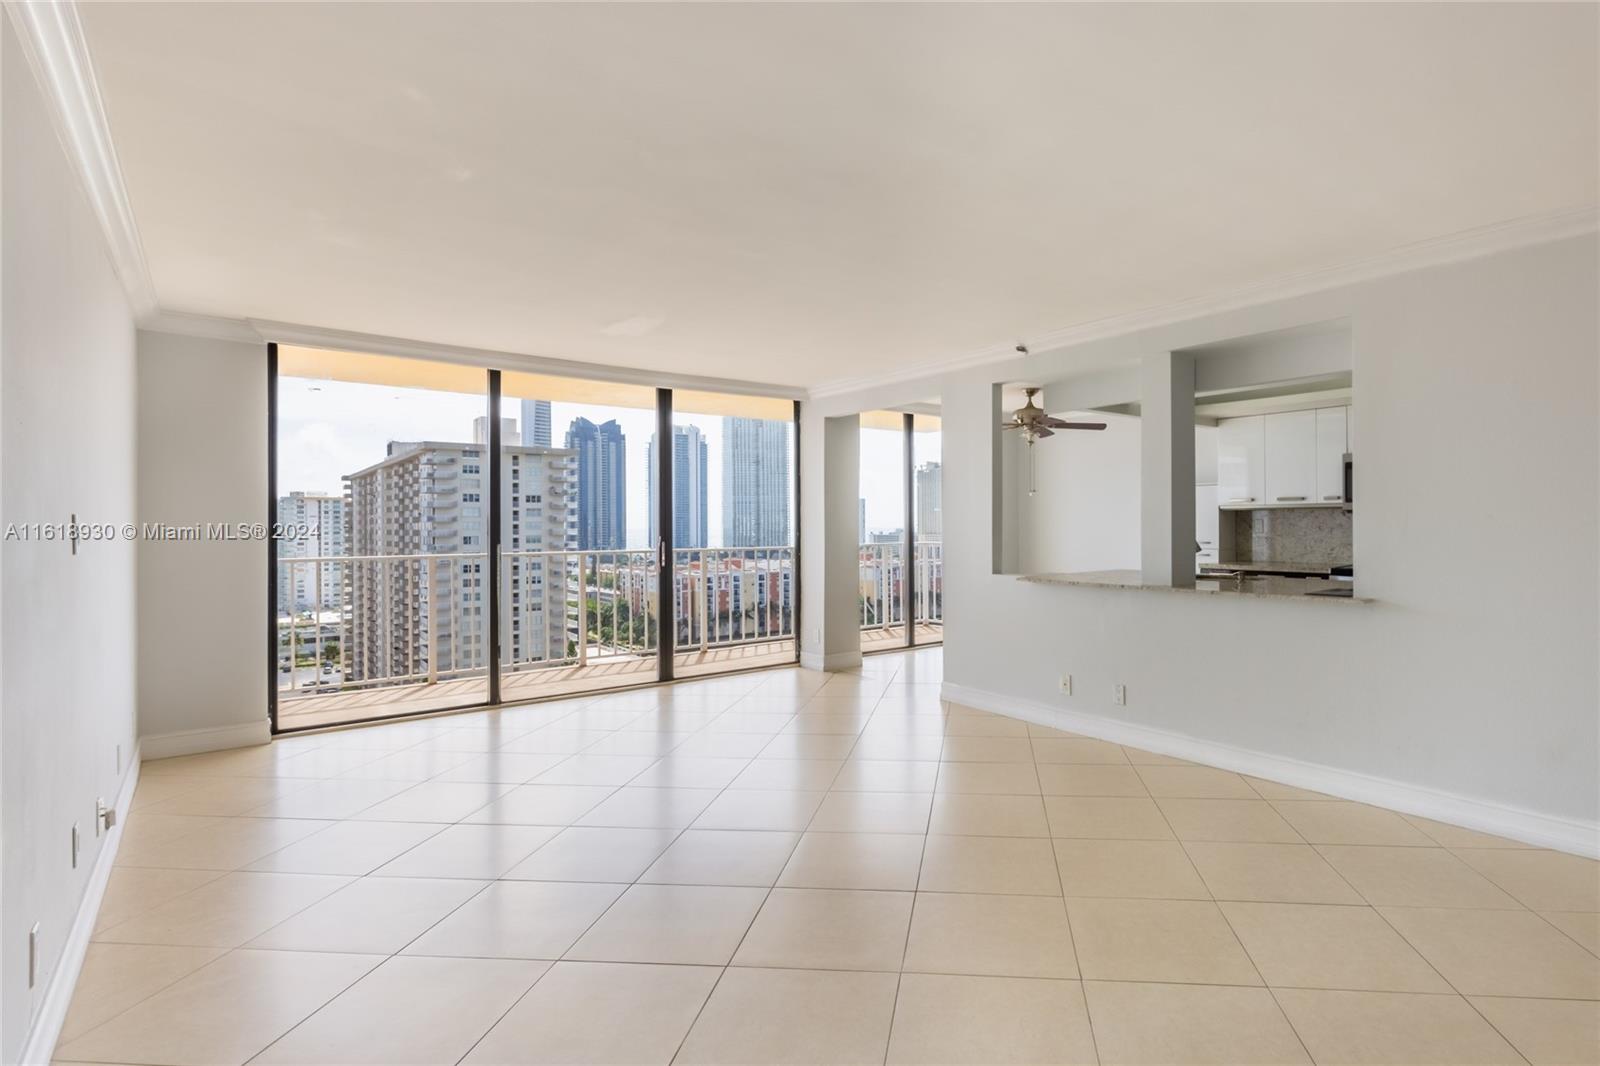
[1439, 251]
[209, 326]
[52, 38]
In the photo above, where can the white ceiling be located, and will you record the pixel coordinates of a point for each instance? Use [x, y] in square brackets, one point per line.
[800, 194]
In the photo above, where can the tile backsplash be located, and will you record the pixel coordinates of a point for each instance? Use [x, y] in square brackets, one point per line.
[1311, 536]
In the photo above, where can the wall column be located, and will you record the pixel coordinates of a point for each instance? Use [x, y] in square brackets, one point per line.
[1166, 512]
[830, 457]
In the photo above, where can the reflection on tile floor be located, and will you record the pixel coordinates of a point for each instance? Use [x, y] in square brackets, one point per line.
[802, 867]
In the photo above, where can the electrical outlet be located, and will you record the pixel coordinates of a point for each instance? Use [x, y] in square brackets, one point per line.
[77, 843]
[1066, 684]
[1119, 695]
[33, 954]
[104, 817]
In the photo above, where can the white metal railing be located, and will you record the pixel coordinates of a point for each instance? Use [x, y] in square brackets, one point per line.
[928, 591]
[605, 605]
[358, 621]
[353, 622]
[882, 580]
[728, 596]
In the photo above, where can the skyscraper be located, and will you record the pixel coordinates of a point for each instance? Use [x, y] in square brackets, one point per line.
[930, 502]
[426, 617]
[602, 496]
[690, 526]
[320, 518]
[755, 482]
[536, 423]
[861, 520]
[480, 430]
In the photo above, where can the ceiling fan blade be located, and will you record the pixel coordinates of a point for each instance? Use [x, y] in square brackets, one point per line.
[1079, 425]
[1013, 424]
[1042, 432]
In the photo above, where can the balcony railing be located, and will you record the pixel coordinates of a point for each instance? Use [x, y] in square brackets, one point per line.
[882, 579]
[731, 596]
[356, 622]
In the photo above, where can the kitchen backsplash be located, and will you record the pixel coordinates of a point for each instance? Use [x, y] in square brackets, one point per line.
[1313, 536]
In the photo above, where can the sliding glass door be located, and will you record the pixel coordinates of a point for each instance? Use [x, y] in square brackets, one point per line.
[454, 536]
[927, 524]
[901, 527]
[579, 604]
[733, 532]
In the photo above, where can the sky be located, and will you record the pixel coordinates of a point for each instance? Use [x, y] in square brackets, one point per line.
[327, 429]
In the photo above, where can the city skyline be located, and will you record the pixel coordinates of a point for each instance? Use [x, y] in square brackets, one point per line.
[328, 428]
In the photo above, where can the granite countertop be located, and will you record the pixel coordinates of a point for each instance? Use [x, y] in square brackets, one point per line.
[1269, 565]
[1290, 588]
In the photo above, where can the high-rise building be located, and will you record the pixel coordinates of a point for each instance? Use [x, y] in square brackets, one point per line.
[317, 520]
[755, 482]
[426, 618]
[690, 526]
[480, 430]
[602, 482]
[861, 520]
[930, 503]
[536, 423]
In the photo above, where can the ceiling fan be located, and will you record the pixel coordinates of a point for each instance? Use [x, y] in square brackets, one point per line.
[1034, 423]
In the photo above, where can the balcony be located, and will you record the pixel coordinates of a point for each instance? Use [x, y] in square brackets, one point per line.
[400, 641]
[881, 600]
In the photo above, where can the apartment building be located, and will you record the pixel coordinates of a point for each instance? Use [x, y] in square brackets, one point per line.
[316, 521]
[419, 521]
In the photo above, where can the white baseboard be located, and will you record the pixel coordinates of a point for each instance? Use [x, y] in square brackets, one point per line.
[45, 1030]
[839, 660]
[194, 741]
[1530, 827]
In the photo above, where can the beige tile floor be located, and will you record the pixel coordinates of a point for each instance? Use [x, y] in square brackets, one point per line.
[798, 867]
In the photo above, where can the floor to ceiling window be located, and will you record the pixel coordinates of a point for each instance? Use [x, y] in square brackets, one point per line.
[380, 585]
[881, 528]
[733, 538]
[431, 513]
[927, 484]
[900, 525]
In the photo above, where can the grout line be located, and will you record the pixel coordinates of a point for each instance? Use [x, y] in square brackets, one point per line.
[802, 699]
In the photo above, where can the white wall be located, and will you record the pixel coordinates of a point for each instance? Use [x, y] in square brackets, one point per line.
[67, 667]
[1085, 515]
[1472, 684]
[202, 605]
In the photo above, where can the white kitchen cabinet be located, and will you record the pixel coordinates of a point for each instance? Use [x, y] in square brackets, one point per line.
[1331, 446]
[1291, 457]
[1205, 522]
[1205, 455]
[1241, 450]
